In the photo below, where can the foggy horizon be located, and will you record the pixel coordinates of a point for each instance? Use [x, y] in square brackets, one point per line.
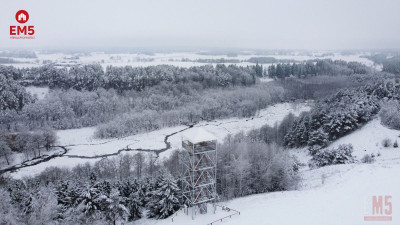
[205, 25]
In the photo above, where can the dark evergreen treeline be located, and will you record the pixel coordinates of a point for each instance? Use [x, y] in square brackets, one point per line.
[340, 114]
[65, 200]
[92, 77]
[266, 60]
[220, 60]
[389, 61]
[335, 116]
[320, 67]
[392, 65]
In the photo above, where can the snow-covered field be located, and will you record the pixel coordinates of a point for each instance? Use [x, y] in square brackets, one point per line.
[80, 142]
[338, 194]
[182, 59]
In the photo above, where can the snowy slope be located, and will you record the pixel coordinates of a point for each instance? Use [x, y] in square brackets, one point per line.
[344, 199]
[338, 194]
[369, 139]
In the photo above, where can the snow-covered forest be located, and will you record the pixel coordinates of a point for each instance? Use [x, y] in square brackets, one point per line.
[119, 104]
[179, 112]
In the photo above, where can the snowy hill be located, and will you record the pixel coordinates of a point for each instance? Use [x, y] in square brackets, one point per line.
[369, 140]
[338, 194]
[344, 199]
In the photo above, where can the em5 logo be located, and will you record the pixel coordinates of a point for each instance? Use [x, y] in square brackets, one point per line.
[22, 32]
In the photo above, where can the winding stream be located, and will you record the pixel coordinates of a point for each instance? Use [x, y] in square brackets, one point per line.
[46, 158]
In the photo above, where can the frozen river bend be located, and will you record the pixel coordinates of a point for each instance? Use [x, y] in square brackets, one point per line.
[81, 147]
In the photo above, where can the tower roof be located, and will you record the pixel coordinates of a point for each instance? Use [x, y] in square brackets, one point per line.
[198, 134]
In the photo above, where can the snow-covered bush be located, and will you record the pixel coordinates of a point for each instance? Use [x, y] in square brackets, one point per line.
[8, 213]
[248, 167]
[5, 151]
[390, 114]
[386, 143]
[318, 137]
[44, 206]
[395, 144]
[367, 158]
[13, 96]
[275, 134]
[317, 140]
[29, 143]
[160, 107]
[325, 157]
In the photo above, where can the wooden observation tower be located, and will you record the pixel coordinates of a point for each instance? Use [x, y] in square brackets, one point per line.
[199, 166]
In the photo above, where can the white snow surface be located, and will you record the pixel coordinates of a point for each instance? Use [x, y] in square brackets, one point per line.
[39, 92]
[368, 140]
[345, 198]
[198, 134]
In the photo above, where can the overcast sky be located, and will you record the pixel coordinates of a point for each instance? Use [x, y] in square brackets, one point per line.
[278, 24]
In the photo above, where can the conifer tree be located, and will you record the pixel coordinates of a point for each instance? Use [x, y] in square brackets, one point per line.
[165, 198]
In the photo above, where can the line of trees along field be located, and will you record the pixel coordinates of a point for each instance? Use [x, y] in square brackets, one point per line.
[92, 77]
[318, 67]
